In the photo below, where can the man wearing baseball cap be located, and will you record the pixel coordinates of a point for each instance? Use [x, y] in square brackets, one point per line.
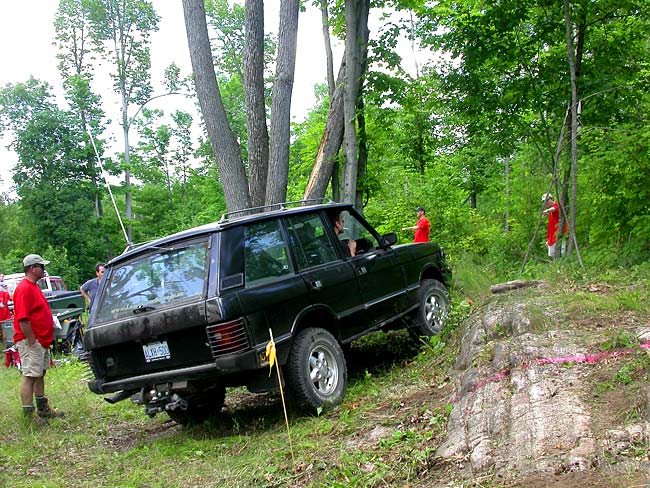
[33, 335]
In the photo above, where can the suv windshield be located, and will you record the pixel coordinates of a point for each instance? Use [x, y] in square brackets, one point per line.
[171, 275]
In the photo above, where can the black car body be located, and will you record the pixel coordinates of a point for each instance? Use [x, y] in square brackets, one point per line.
[180, 318]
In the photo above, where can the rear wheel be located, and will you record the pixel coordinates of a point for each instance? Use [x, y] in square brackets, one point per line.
[200, 406]
[434, 308]
[316, 371]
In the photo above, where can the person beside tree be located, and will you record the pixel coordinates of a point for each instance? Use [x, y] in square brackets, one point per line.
[422, 227]
[553, 211]
[33, 335]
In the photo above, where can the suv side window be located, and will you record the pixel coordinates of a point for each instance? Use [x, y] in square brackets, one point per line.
[265, 253]
[313, 246]
[152, 280]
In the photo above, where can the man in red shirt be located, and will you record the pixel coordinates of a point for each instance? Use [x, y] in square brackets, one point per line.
[5, 314]
[553, 212]
[33, 334]
[422, 227]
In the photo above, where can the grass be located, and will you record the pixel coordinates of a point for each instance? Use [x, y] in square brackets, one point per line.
[103, 445]
[384, 434]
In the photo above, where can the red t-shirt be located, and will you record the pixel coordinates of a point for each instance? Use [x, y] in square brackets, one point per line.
[422, 232]
[553, 219]
[31, 304]
[4, 305]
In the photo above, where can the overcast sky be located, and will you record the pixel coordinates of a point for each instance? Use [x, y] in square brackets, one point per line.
[27, 33]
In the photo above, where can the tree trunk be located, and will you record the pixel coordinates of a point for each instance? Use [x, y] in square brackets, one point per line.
[362, 192]
[223, 142]
[330, 143]
[506, 226]
[363, 156]
[574, 127]
[276, 187]
[350, 91]
[127, 172]
[258, 136]
[329, 59]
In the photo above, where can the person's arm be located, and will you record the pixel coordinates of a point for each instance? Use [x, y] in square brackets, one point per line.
[410, 228]
[352, 246]
[85, 295]
[26, 327]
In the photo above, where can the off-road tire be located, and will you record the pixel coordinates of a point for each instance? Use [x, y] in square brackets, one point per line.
[433, 311]
[316, 372]
[202, 406]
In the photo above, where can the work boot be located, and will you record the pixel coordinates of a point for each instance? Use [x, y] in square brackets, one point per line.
[44, 410]
[32, 417]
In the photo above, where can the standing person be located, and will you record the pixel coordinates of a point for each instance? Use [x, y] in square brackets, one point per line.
[553, 211]
[422, 227]
[89, 288]
[5, 314]
[33, 334]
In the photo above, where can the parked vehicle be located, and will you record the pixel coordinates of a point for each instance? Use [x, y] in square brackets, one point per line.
[179, 319]
[54, 288]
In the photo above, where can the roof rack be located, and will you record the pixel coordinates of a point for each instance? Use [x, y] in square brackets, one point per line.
[274, 206]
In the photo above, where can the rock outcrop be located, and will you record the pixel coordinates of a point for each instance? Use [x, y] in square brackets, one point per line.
[524, 403]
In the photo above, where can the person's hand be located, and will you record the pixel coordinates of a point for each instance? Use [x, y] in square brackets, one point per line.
[352, 246]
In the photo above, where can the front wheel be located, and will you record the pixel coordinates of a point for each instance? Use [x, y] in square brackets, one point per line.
[316, 372]
[434, 308]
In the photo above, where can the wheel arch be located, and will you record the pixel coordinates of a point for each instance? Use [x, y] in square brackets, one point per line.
[319, 316]
[432, 273]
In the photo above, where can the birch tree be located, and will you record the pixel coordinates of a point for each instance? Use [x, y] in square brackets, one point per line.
[121, 30]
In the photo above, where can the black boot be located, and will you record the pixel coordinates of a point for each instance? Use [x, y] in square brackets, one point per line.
[44, 410]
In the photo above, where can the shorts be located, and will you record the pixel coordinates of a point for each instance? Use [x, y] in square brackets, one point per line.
[551, 248]
[34, 359]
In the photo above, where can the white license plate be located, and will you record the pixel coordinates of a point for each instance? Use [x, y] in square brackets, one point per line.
[156, 351]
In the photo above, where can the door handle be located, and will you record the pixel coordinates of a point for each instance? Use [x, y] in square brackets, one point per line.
[316, 285]
[362, 270]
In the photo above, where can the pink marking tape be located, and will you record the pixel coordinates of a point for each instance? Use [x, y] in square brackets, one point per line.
[579, 358]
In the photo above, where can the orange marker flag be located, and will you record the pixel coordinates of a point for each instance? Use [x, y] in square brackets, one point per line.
[270, 354]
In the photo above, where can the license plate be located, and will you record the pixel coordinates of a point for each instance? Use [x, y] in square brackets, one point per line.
[156, 351]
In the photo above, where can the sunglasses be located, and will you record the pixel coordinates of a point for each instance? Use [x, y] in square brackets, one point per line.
[42, 266]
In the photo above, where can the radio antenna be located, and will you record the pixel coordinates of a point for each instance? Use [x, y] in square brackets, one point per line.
[108, 187]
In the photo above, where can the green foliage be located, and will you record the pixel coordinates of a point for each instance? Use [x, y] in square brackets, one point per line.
[53, 176]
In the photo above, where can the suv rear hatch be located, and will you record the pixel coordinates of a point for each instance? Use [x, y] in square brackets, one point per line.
[151, 316]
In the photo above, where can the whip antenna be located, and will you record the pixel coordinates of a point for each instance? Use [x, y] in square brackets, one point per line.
[108, 187]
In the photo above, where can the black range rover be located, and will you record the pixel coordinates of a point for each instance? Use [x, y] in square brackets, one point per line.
[179, 319]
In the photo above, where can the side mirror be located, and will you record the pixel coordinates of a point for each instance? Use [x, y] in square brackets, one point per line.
[389, 239]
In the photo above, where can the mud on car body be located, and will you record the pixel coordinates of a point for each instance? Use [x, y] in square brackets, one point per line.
[181, 318]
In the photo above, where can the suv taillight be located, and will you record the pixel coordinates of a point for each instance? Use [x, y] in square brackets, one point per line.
[227, 338]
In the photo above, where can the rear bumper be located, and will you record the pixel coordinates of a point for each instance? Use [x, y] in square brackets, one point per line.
[222, 366]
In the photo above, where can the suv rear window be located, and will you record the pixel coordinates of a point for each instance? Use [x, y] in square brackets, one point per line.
[168, 276]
